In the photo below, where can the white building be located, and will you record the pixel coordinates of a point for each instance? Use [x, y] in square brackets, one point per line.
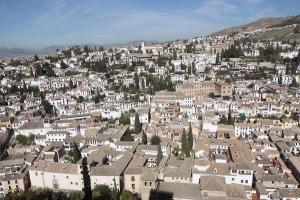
[54, 175]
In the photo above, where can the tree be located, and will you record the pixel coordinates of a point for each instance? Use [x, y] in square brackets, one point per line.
[74, 195]
[102, 192]
[184, 143]
[86, 49]
[298, 57]
[136, 81]
[158, 194]
[124, 119]
[189, 48]
[75, 153]
[38, 194]
[159, 155]
[155, 140]
[63, 65]
[279, 80]
[234, 51]
[24, 140]
[127, 195]
[115, 192]
[48, 107]
[127, 136]
[137, 124]
[47, 70]
[36, 58]
[223, 120]
[144, 138]
[161, 61]
[294, 83]
[230, 119]
[211, 95]
[190, 138]
[80, 99]
[71, 85]
[58, 195]
[22, 99]
[44, 70]
[143, 84]
[189, 70]
[32, 73]
[86, 180]
[97, 98]
[218, 58]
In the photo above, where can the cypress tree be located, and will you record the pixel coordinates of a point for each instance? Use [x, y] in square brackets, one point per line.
[298, 57]
[218, 58]
[86, 180]
[137, 124]
[115, 191]
[190, 138]
[136, 81]
[144, 138]
[76, 153]
[230, 119]
[184, 143]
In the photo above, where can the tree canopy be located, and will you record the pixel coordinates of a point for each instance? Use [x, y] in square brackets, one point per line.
[184, 144]
[127, 195]
[155, 140]
[137, 124]
[102, 192]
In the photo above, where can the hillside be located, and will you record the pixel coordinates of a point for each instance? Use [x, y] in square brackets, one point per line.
[261, 23]
[291, 21]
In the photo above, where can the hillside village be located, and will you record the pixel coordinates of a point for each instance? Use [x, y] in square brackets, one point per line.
[213, 117]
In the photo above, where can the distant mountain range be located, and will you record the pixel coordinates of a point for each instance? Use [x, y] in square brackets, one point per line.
[15, 51]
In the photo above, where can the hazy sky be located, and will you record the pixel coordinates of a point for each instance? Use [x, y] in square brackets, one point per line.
[39, 23]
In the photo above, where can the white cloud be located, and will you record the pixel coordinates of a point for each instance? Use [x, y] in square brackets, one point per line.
[60, 11]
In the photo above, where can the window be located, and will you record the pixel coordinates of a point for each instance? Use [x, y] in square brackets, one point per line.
[67, 177]
[16, 181]
[145, 183]
[242, 181]
[36, 173]
[132, 178]
[232, 179]
[246, 181]
[150, 183]
[8, 182]
[133, 186]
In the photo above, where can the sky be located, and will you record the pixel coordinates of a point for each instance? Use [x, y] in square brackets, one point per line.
[41, 23]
